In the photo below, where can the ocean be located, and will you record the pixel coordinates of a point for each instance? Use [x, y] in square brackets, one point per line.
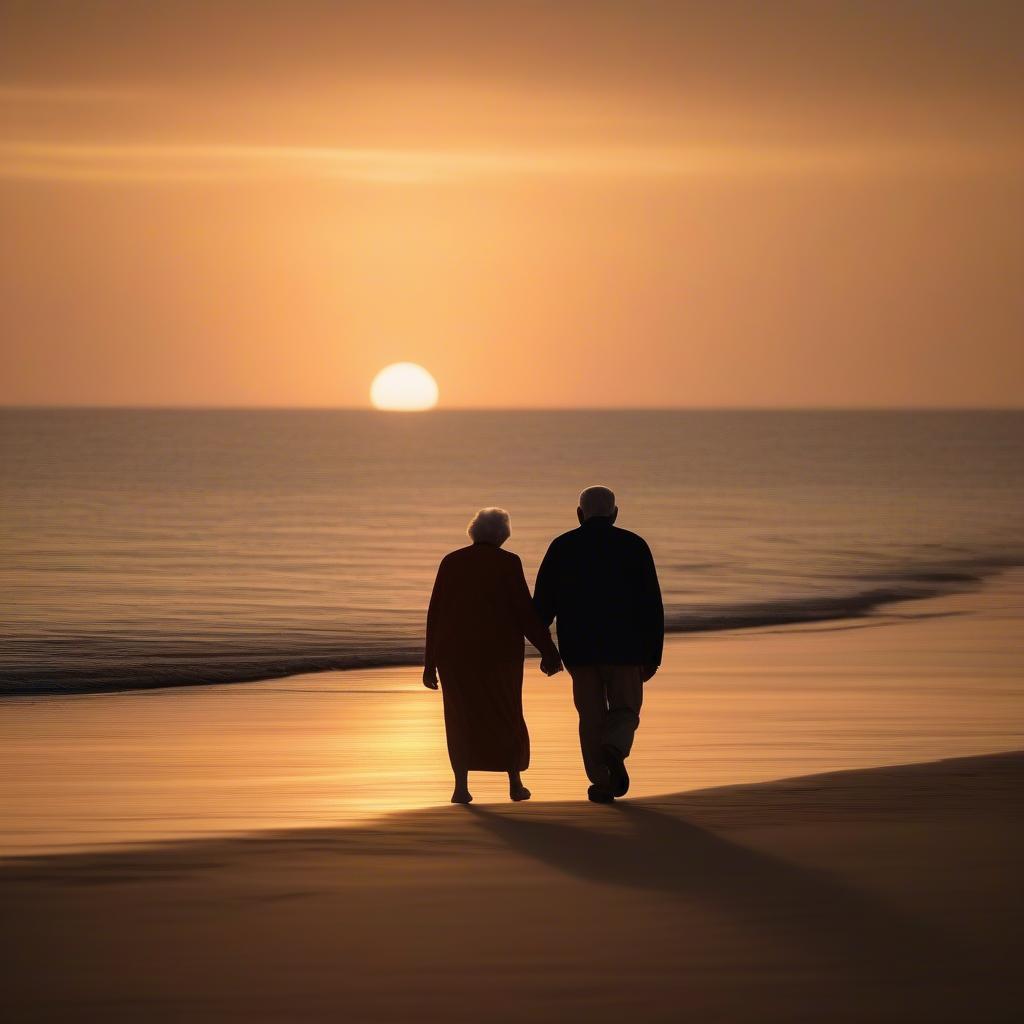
[146, 548]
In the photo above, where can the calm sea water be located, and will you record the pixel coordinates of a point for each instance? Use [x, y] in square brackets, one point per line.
[146, 548]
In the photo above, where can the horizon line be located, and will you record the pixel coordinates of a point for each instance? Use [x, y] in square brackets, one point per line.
[85, 407]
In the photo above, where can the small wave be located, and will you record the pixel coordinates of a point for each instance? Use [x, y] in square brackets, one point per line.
[914, 584]
[86, 665]
[102, 675]
[793, 610]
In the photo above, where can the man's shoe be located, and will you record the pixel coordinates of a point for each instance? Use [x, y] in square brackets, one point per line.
[618, 777]
[600, 795]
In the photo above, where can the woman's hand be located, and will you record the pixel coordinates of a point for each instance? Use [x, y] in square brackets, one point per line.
[430, 677]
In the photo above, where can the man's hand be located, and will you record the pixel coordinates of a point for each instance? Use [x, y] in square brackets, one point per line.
[647, 672]
[430, 677]
[551, 665]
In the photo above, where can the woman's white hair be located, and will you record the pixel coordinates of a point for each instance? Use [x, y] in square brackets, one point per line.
[490, 526]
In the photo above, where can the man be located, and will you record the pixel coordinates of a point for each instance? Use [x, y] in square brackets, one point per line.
[599, 582]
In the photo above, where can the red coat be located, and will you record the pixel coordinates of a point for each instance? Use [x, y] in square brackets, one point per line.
[480, 610]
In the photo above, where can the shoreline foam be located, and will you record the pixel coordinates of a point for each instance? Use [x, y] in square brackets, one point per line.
[96, 672]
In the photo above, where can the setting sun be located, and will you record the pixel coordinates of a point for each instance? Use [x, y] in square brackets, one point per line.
[403, 387]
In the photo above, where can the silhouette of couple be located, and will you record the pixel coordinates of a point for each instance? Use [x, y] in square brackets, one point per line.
[599, 582]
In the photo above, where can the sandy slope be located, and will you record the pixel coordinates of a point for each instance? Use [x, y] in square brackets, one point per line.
[885, 894]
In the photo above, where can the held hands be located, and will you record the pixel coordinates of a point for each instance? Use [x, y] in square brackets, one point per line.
[430, 677]
[551, 665]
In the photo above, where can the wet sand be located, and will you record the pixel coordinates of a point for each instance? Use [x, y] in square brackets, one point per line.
[926, 680]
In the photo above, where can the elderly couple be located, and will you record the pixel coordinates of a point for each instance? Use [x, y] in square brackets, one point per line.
[599, 582]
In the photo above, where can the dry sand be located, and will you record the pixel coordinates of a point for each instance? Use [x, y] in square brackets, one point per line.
[889, 894]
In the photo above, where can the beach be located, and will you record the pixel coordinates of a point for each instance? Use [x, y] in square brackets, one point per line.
[887, 895]
[353, 349]
[282, 850]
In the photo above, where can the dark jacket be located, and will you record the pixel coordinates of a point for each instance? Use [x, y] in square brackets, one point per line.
[480, 610]
[601, 585]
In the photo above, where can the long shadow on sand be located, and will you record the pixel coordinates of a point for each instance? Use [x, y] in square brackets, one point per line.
[814, 910]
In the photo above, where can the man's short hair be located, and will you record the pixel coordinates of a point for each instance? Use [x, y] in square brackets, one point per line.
[597, 501]
[490, 526]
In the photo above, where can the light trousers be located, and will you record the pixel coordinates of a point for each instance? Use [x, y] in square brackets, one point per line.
[608, 699]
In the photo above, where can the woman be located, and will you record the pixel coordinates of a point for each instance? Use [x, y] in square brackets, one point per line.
[480, 610]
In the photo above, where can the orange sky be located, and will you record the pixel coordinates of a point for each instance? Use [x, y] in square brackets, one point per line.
[546, 204]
